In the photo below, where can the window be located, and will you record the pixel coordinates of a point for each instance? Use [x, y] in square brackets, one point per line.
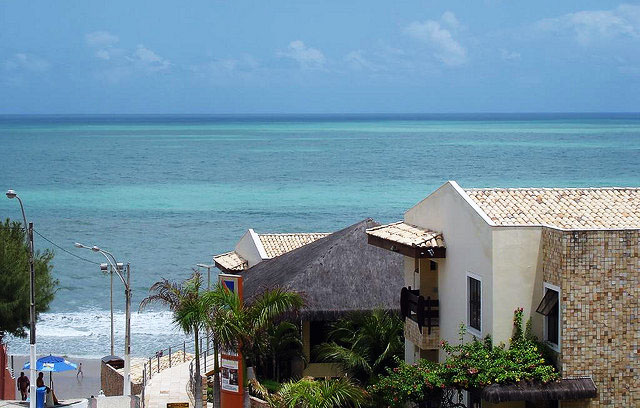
[318, 334]
[474, 300]
[549, 307]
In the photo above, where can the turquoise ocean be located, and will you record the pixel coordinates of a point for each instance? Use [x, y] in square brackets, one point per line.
[167, 192]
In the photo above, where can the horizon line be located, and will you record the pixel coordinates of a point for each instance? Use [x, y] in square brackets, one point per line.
[332, 113]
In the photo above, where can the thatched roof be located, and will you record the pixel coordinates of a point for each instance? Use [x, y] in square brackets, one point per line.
[567, 388]
[337, 274]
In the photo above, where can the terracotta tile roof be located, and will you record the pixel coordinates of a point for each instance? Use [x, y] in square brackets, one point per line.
[408, 234]
[566, 208]
[278, 244]
[231, 261]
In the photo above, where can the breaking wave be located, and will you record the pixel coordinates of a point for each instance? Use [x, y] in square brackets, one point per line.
[87, 334]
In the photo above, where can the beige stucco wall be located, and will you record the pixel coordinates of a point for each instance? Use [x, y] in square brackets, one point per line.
[469, 249]
[516, 276]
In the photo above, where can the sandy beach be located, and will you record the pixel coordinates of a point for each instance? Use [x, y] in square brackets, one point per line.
[66, 384]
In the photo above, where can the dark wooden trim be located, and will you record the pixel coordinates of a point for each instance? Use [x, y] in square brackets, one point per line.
[425, 312]
[407, 250]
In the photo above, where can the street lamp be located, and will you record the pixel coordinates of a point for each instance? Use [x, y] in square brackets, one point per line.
[115, 266]
[200, 265]
[107, 268]
[32, 307]
[208, 273]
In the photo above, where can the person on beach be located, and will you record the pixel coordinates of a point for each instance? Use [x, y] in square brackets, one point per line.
[79, 373]
[23, 385]
[40, 383]
[40, 380]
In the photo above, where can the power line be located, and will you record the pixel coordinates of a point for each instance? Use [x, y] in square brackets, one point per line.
[63, 249]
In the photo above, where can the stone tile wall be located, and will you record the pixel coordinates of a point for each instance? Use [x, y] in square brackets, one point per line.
[599, 276]
[111, 382]
[423, 340]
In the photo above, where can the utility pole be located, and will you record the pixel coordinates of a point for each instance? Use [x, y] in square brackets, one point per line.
[127, 336]
[112, 338]
[32, 304]
[32, 329]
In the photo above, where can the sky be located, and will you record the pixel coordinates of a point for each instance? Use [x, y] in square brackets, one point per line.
[330, 56]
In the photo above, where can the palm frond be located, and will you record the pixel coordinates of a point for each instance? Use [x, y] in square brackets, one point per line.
[164, 292]
[272, 304]
[349, 360]
[309, 393]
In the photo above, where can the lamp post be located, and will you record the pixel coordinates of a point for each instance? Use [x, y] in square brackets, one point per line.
[115, 266]
[32, 306]
[200, 265]
[107, 268]
[208, 273]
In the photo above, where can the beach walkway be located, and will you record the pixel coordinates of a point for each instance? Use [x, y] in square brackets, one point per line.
[170, 385]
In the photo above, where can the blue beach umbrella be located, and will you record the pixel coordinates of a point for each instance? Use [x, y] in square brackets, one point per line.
[52, 364]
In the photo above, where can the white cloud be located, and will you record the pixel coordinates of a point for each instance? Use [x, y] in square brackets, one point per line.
[450, 19]
[149, 60]
[445, 47]
[103, 42]
[101, 39]
[357, 61]
[307, 57]
[591, 25]
[103, 54]
[26, 62]
[509, 55]
[224, 71]
[118, 63]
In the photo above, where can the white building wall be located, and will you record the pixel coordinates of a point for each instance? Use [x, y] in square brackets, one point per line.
[469, 240]
[249, 247]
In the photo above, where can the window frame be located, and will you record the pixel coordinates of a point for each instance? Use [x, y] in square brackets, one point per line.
[545, 325]
[472, 330]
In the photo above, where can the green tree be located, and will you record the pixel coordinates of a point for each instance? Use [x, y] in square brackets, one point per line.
[309, 393]
[239, 325]
[190, 312]
[364, 344]
[15, 280]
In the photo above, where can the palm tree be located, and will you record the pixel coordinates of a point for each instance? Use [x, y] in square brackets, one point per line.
[189, 312]
[282, 344]
[239, 326]
[309, 393]
[364, 344]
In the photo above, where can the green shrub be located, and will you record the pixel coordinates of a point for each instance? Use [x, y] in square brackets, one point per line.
[271, 385]
[469, 366]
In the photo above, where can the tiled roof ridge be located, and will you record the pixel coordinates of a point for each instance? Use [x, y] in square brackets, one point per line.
[547, 188]
[291, 233]
[592, 208]
[280, 243]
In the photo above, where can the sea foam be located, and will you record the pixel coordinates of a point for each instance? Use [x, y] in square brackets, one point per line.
[86, 334]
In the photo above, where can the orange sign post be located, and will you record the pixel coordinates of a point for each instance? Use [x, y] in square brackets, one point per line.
[231, 389]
